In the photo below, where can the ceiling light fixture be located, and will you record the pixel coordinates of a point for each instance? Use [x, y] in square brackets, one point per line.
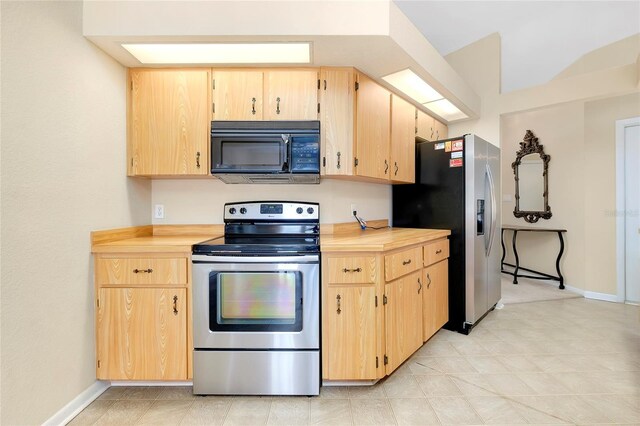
[420, 91]
[221, 53]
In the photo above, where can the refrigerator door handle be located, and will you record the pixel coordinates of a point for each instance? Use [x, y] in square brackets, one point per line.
[492, 231]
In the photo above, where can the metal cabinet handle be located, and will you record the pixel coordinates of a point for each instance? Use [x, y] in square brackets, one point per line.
[419, 285]
[429, 278]
[198, 159]
[142, 271]
[437, 134]
[386, 166]
[396, 164]
[345, 270]
[175, 305]
[338, 165]
[278, 105]
[406, 262]
[431, 134]
[438, 251]
[338, 303]
[325, 85]
[253, 106]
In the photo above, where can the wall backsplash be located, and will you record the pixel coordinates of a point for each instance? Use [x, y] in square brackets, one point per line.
[201, 201]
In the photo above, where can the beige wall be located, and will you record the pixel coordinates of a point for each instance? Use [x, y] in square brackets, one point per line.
[201, 201]
[574, 117]
[63, 175]
[600, 183]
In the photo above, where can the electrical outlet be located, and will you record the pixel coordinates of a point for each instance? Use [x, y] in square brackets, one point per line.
[158, 211]
[354, 209]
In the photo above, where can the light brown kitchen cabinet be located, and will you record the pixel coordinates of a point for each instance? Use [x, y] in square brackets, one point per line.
[265, 94]
[435, 298]
[373, 123]
[428, 128]
[169, 122]
[349, 319]
[337, 120]
[237, 95]
[403, 139]
[403, 319]
[142, 334]
[142, 331]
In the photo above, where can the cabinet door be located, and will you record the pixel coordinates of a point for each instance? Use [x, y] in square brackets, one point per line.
[169, 122]
[441, 129]
[403, 319]
[337, 109]
[142, 334]
[291, 95]
[237, 95]
[425, 126]
[435, 298]
[373, 129]
[350, 324]
[403, 140]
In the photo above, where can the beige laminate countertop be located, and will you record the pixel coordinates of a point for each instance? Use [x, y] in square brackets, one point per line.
[153, 244]
[379, 240]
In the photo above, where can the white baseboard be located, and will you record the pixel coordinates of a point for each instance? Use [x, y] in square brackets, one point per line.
[150, 383]
[79, 403]
[601, 296]
[574, 289]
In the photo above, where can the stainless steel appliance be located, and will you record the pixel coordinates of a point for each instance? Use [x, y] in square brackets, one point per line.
[266, 151]
[457, 187]
[256, 302]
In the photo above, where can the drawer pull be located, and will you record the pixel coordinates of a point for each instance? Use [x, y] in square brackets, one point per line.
[338, 302]
[345, 270]
[438, 251]
[406, 262]
[429, 278]
[419, 285]
[253, 106]
[175, 305]
[142, 271]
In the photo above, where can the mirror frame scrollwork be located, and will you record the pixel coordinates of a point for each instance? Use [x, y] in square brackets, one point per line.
[528, 146]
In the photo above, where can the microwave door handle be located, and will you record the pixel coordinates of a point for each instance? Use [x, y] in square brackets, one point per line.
[287, 149]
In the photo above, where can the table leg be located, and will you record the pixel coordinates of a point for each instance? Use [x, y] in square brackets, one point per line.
[561, 287]
[504, 251]
[515, 254]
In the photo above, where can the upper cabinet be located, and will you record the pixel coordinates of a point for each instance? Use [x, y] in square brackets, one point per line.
[265, 94]
[169, 121]
[428, 128]
[403, 151]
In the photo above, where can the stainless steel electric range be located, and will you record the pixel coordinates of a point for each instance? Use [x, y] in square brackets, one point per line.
[256, 302]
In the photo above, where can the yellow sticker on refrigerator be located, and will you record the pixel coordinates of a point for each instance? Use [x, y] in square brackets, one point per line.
[447, 146]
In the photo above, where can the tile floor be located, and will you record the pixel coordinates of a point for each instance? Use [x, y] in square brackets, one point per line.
[570, 361]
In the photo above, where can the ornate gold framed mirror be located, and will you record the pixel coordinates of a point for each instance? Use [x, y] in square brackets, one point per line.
[532, 185]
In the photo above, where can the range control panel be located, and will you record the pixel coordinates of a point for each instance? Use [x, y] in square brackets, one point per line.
[280, 210]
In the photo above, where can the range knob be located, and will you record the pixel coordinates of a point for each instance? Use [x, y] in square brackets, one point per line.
[232, 210]
[310, 210]
[299, 210]
[243, 210]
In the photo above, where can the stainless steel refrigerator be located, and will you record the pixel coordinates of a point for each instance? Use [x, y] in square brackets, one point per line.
[458, 188]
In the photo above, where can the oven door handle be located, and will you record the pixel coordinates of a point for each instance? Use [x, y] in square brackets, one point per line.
[199, 258]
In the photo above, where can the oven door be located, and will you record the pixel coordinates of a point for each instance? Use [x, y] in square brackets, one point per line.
[256, 302]
[251, 153]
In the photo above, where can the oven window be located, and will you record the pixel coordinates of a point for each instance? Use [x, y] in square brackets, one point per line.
[263, 153]
[256, 301]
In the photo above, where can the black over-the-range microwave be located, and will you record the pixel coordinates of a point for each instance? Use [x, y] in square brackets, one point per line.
[266, 151]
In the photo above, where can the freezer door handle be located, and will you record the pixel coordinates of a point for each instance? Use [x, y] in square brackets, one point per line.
[492, 229]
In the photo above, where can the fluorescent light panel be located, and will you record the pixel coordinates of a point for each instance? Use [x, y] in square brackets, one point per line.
[221, 53]
[419, 90]
[445, 109]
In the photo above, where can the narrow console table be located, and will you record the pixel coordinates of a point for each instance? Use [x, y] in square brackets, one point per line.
[539, 275]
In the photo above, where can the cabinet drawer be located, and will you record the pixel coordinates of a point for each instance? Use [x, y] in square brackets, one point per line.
[131, 271]
[402, 263]
[436, 251]
[352, 270]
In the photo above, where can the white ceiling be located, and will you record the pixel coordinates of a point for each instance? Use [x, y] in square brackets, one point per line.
[539, 38]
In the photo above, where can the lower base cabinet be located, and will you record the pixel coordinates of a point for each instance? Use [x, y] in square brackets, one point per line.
[142, 334]
[435, 298]
[350, 321]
